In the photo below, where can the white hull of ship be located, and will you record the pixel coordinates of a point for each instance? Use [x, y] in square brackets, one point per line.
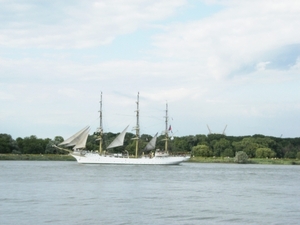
[94, 158]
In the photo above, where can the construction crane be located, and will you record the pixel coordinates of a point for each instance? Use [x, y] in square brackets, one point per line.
[224, 130]
[210, 132]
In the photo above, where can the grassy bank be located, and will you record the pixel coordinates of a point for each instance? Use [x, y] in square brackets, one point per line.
[211, 160]
[250, 161]
[38, 157]
[276, 161]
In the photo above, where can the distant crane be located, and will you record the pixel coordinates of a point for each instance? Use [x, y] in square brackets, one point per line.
[210, 132]
[224, 130]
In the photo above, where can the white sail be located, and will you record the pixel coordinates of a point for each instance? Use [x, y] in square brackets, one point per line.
[151, 144]
[74, 139]
[118, 141]
[81, 137]
[81, 142]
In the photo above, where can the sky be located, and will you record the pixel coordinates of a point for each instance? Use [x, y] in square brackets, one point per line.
[214, 62]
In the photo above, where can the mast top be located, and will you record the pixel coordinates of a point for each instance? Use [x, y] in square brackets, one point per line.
[167, 129]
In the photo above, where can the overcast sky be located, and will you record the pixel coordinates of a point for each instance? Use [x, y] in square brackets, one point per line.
[215, 62]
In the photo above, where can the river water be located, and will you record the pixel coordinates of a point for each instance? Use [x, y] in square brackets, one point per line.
[37, 192]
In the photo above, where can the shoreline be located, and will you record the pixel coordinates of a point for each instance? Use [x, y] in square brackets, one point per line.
[264, 161]
[56, 157]
[37, 157]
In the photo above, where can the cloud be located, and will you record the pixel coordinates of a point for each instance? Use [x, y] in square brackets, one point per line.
[5, 96]
[296, 67]
[80, 25]
[234, 37]
[262, 65]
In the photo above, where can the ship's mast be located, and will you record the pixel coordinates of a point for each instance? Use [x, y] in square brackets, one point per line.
[101, 127]
[137, 128]
[166, 131]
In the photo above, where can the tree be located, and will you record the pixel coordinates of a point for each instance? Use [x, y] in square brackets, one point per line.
[202, 150]
[181, 144]
[33, 145]
[228, 152]
[191, 141]
[201, 140]
[248, 145]
[263, 141]
[93, 142]
[264, 153]
[7, 144]
[131, 148]
[298, 155]
[290, 151]
[52, 150]
[241, 157]
[217, 137]
[290, 155]
[220, 146]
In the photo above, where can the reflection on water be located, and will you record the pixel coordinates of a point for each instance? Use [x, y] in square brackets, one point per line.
[191, 193]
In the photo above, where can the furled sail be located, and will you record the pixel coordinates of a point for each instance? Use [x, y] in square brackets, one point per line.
[118, 141]
[151, 144]
[79, 139]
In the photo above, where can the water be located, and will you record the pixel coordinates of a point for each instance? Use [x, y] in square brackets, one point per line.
[36, 192]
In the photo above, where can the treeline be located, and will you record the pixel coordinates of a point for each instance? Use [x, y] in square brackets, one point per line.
[218, 145]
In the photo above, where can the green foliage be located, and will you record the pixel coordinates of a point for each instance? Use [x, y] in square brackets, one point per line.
[228, 152]
[201, 150]
[20, 143]
[201, 140]
[290, 155]
[131, 148]
[33, 145]
[248, 145]
[92, 143]
[264, 153]
[298, 155]
[181, 144]
[52, 150]
[217, 145]
[7, 144]
[212, 137]
[241, 157]
[290, 150]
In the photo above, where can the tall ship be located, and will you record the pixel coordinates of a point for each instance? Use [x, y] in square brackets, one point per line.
[152, 157]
